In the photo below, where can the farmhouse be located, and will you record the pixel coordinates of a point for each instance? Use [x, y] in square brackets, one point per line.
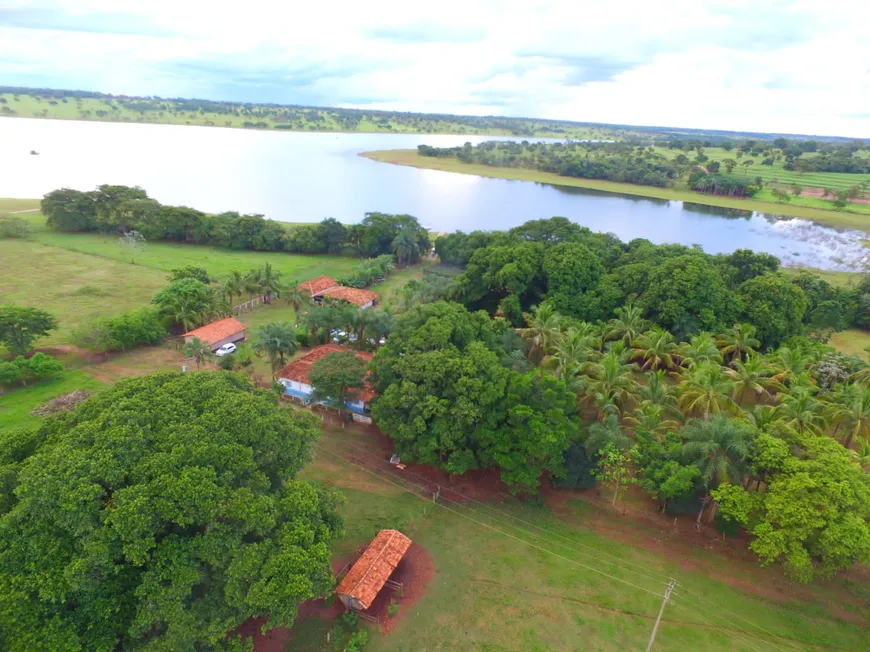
[294, 378]
[372, 571]
[218, 333]
[324, 286]
[315, 286]
[361, 298]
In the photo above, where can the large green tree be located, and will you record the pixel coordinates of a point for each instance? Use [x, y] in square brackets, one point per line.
[187, 301]
[774, 305]
[160, 515]
[20, 327]
[337, 377]
[572, 275]
[687, 293]
[814, 516]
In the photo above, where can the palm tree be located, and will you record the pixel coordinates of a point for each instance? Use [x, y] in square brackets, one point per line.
[861, 456]
[296, 297]
[627, 326]
[611, 384]
[700, 349]
[754, 376]
[651, 419]
[270, 283]
[850, 409]
[187, 313]
[718, 447]
[579, 343]
[607, 433]
[405, 246]
[234, 284]
[788, 363]
[543, 327]
[198, 350]
[707, 392]
[253, 283]
[801, 411]
[761, 416]
[277, 341]
[655, 349]
[738, 343]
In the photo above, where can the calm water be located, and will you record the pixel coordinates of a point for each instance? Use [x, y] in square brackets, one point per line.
[304, 177]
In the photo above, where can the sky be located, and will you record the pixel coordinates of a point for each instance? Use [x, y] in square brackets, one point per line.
[787, 66]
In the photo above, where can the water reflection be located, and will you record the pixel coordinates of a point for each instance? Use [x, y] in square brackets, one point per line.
[304, 177]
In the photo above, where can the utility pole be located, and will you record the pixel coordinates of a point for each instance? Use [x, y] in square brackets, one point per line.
[652, 637]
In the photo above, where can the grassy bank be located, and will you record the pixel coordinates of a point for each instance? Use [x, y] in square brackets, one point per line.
[837, 219]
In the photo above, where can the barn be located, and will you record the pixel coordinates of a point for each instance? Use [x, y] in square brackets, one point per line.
[218, 333]
[359, 588]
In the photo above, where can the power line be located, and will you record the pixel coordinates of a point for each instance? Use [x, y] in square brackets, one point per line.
[735, 615]
[598, 552]
[528, 543]
[509, 525]
[495, 529]
[715, 626]
[569, 547]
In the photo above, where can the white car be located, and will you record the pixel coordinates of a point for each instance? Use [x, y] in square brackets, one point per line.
[226, 349]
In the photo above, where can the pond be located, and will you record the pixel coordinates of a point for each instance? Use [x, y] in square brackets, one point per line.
[304, 177]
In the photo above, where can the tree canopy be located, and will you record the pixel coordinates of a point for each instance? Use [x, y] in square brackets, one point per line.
[20, 327]
[160, 514]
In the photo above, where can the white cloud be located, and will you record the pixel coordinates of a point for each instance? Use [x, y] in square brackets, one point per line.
[790, 65]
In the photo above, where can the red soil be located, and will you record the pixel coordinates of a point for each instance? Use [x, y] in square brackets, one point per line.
[818, 192]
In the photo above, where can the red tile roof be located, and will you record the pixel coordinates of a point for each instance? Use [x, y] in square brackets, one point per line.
[318, 285]
[351, 295]
[298, 369]
[368, 575]
[217, 330]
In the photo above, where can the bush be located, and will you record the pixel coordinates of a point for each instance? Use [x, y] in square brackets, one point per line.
[393, 609]
[227, 362]
[358, 641]
[303, 336]
[12, 226]
[126, 331]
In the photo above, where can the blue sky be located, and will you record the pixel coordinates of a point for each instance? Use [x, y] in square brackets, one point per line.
[798, 66]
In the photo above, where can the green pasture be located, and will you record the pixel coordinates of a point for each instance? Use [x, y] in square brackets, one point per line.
[15, 406]
[500, 587]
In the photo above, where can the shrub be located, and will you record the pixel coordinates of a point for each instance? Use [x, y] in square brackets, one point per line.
[303, 336]
[227, 362]
[393, 609]
[12, 226]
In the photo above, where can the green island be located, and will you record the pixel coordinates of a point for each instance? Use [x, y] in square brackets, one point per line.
[598, 418]
[783, 192]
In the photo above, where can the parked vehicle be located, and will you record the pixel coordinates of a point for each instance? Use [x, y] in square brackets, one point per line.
[226, 349]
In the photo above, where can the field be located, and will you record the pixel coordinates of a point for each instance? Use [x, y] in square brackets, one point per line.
[852, 341]
[15, 406]
[838, 219]
[294, 118]
[543, 584]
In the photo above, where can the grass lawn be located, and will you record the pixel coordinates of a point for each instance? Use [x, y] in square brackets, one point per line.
[13, 205]
[837, 279]
[493, 592]
[73, 286]
[852, 341]
[217, 261]
[839, 219]
[15, 406]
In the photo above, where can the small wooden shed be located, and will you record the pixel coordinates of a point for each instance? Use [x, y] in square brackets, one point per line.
[367, 576]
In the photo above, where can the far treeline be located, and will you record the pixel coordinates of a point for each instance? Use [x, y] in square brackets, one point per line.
[637, 162]
[121, 209]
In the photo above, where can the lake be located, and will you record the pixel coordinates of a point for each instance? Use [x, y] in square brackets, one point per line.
[304, 177]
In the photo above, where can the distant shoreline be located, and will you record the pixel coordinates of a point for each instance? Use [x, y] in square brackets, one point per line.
[834, 219]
